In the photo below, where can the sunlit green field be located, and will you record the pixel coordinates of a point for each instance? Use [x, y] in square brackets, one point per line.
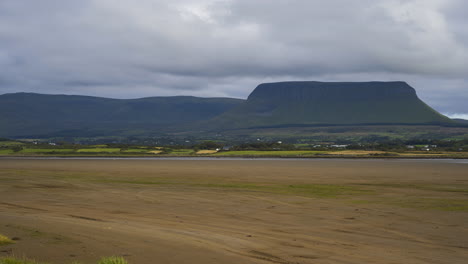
[14, 148]
[134, 150]
[182, 152]
[5, 151]
[34, 150]
[94, 150]
[269, 153]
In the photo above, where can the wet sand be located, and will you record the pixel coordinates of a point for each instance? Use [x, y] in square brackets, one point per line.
[235, 211]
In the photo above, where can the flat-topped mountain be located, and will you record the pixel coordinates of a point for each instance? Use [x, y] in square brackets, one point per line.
[314, 92]
[284, 104]
[312, 103]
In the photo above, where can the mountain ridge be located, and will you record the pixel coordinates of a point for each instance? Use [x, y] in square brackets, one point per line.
[30, 114]
[282, 104]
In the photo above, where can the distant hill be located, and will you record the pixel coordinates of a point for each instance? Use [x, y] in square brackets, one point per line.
[270, 105]
[460, 121]
[30, 114]
[313, 103]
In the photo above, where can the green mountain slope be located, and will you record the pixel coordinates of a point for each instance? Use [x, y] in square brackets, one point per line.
[460, 121]
[285, 104]
[313, 103]
[29, 114]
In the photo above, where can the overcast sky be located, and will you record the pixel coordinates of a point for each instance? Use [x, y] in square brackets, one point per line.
[130, 49]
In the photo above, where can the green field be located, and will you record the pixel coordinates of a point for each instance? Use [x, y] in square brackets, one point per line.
[6, 151]
[182, 152]
[98, 150]
[280, 150]
[48, 150]
[10, 143]
[135, 150]
[279, 153]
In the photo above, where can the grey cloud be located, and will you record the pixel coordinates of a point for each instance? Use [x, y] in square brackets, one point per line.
[129, 49]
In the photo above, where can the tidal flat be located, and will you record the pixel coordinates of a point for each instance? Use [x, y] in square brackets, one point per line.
[235, 211]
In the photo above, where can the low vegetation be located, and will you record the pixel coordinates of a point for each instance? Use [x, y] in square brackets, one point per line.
[108, 260]
[271, 153]
[113, 260]
[307, 190]
[421, 203]
[380, 148]
[4, 240]
[11, 260]
[440, 197]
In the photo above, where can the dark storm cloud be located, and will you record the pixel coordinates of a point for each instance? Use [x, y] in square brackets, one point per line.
[123, 48]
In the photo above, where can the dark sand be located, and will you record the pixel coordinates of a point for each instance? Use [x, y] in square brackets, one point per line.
[236, 211]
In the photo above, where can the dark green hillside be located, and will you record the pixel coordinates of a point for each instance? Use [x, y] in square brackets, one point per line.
[315, 103]
[271, 105]
[461, 121]
[28, 114]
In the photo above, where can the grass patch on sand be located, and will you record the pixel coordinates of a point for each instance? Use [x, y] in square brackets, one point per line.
[425, 187]
[50, 238]
[113, 260]
[108, 260]
[4, 240]
[434, 204]
[308, 190]
[136, 181]
[230, 185]
[324, 190]
[420, 196]
[441, 204]
[11, 260]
